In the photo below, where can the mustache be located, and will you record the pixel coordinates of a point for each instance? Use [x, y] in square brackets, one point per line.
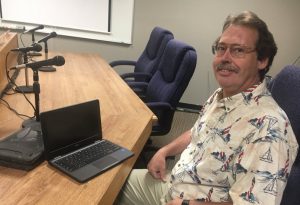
[226, 66]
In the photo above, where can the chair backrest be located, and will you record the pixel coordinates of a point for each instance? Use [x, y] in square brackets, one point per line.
[169, 82]
[149, 59]
[285, 89]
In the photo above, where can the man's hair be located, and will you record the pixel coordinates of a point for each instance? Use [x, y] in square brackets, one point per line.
[265, 45]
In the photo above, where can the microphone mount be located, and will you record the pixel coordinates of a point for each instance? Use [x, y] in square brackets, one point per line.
[34, 47]
[32, 31]
[45, 40]
[34, 123]
[33, 53]
[47, 68]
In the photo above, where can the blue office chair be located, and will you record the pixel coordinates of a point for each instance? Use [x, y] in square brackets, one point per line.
[164, 90]
[147, 63]
[285, 89]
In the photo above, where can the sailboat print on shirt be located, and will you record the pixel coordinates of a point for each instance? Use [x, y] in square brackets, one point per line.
[223, 133]
[249, 137]
[273, 132]
[272, 178]
[271, 188]
[247, 97]
[258, 122]
[267, 156]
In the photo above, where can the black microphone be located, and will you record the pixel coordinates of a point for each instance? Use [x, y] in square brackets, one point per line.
[34, 29]
[51, 35]
[34, 47]
[57, 60]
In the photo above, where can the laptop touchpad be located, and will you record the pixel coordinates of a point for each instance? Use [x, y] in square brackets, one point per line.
[105, 162]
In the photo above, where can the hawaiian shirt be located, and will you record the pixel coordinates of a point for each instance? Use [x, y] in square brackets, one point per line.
[242, 149]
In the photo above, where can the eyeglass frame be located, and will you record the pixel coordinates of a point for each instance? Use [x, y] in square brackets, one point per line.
[233, 53]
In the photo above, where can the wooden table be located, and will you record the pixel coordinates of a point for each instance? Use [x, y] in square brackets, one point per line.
[126, 121]
[8, 41]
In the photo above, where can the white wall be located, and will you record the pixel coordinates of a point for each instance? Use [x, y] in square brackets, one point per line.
[197, 22]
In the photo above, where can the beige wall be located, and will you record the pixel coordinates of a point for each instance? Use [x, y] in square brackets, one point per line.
[197, 22]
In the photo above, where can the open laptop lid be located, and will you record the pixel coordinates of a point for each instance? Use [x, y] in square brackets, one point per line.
[59, 134]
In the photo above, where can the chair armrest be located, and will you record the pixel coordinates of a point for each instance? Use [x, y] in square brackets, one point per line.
[139, 88]
[128, 77]
[141, 85]
[164, 112]
[159, 105]
[122, 62]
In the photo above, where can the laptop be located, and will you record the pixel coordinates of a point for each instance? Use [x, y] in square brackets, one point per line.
[74, 132]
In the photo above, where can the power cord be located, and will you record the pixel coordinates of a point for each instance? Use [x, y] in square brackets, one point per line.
[6, 104]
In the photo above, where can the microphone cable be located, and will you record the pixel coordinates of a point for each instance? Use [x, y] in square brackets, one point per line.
[21, 38]
[7, 105]
[11, 81]
[9, 85]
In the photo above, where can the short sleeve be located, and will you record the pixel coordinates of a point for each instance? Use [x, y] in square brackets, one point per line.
[262, 166]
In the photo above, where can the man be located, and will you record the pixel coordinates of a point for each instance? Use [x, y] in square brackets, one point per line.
[241, 149]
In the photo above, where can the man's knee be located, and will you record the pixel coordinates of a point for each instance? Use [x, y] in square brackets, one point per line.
[141, 188]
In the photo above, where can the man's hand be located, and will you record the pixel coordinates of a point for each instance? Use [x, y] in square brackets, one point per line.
[176, 201]
[157, 165]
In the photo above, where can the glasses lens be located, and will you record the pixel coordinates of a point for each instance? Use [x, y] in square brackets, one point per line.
[236, 51]
[219, 50]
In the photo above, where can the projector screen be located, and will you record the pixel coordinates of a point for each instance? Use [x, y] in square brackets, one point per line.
[109, 20]
[89, 15]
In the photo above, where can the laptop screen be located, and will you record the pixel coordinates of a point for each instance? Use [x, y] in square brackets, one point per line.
[70, 128]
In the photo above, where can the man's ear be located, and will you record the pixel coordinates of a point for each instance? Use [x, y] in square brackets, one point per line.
[262, 64]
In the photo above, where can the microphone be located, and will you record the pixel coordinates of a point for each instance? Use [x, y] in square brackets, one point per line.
[34, 47]
[51, 35]
[57, 60]
[34, 29]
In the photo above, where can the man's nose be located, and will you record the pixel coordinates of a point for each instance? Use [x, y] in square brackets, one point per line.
[227, 55]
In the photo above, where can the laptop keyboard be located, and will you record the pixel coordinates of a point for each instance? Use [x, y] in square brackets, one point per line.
[86, 156]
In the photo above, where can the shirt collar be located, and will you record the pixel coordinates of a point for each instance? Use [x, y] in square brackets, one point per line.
[249, 96]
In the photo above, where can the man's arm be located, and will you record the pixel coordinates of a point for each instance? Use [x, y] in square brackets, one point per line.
[178, 145]
[157, 165]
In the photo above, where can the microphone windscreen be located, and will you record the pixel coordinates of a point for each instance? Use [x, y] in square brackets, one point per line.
[53, 34]
[40, 27]
[59, 60]
[34, 29]
[36, 47]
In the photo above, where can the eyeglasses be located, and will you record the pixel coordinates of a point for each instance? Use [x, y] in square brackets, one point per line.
[236, 50]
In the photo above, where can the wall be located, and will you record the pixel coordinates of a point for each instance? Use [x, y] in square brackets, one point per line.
[197, 22]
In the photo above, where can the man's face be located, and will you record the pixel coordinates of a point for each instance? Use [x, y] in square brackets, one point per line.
[235, 73]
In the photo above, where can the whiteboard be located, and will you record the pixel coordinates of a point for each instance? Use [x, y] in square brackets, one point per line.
[108, 20]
